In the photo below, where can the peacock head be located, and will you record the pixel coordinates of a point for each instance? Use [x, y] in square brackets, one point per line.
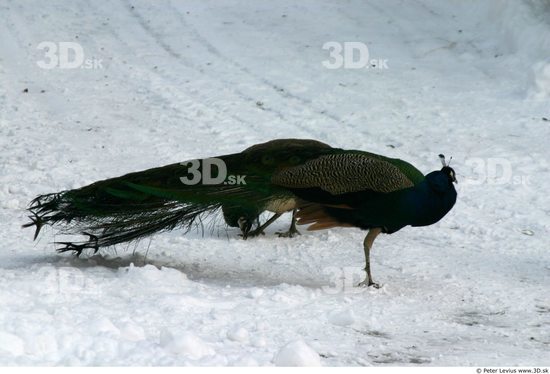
[447, 170]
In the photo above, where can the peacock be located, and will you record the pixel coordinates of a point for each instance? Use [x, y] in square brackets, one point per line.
[324, 187]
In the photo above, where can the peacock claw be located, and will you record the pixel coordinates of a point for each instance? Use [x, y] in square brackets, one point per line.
[366, 283]
[288, 234]
[292, 230]
[253, 234]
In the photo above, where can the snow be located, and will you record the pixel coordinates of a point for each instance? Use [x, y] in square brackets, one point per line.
[238, 334]
[182, 80]
[188, 345]
[342, 318]
[297, 353]
[11, 344]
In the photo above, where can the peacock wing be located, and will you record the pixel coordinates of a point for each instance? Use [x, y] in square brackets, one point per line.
[346, 172]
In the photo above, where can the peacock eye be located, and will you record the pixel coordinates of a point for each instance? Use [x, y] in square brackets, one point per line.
[453, 176]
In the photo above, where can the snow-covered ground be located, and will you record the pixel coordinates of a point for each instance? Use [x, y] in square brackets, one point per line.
[177, 80]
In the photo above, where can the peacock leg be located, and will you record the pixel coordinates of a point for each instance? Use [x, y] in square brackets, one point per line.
[367, 245]
[260, 230]
[292, 231]
[245, 225]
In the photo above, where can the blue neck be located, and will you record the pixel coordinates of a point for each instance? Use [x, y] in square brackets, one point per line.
[433, 198]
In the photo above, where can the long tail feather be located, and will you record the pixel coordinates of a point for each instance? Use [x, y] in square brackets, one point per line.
[109, 225]
[131, 207]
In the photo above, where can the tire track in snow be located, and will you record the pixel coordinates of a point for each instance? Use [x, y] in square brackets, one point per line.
[266, 82]
[166, 47]
[167, 80]
[339, 124]
[189, 64]
[230, 85]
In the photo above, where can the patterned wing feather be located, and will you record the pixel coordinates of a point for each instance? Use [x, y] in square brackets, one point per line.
[340, 173]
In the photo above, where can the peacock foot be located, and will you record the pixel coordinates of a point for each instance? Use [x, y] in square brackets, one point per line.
[288, 234]
[367, 283]
[253, 234]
